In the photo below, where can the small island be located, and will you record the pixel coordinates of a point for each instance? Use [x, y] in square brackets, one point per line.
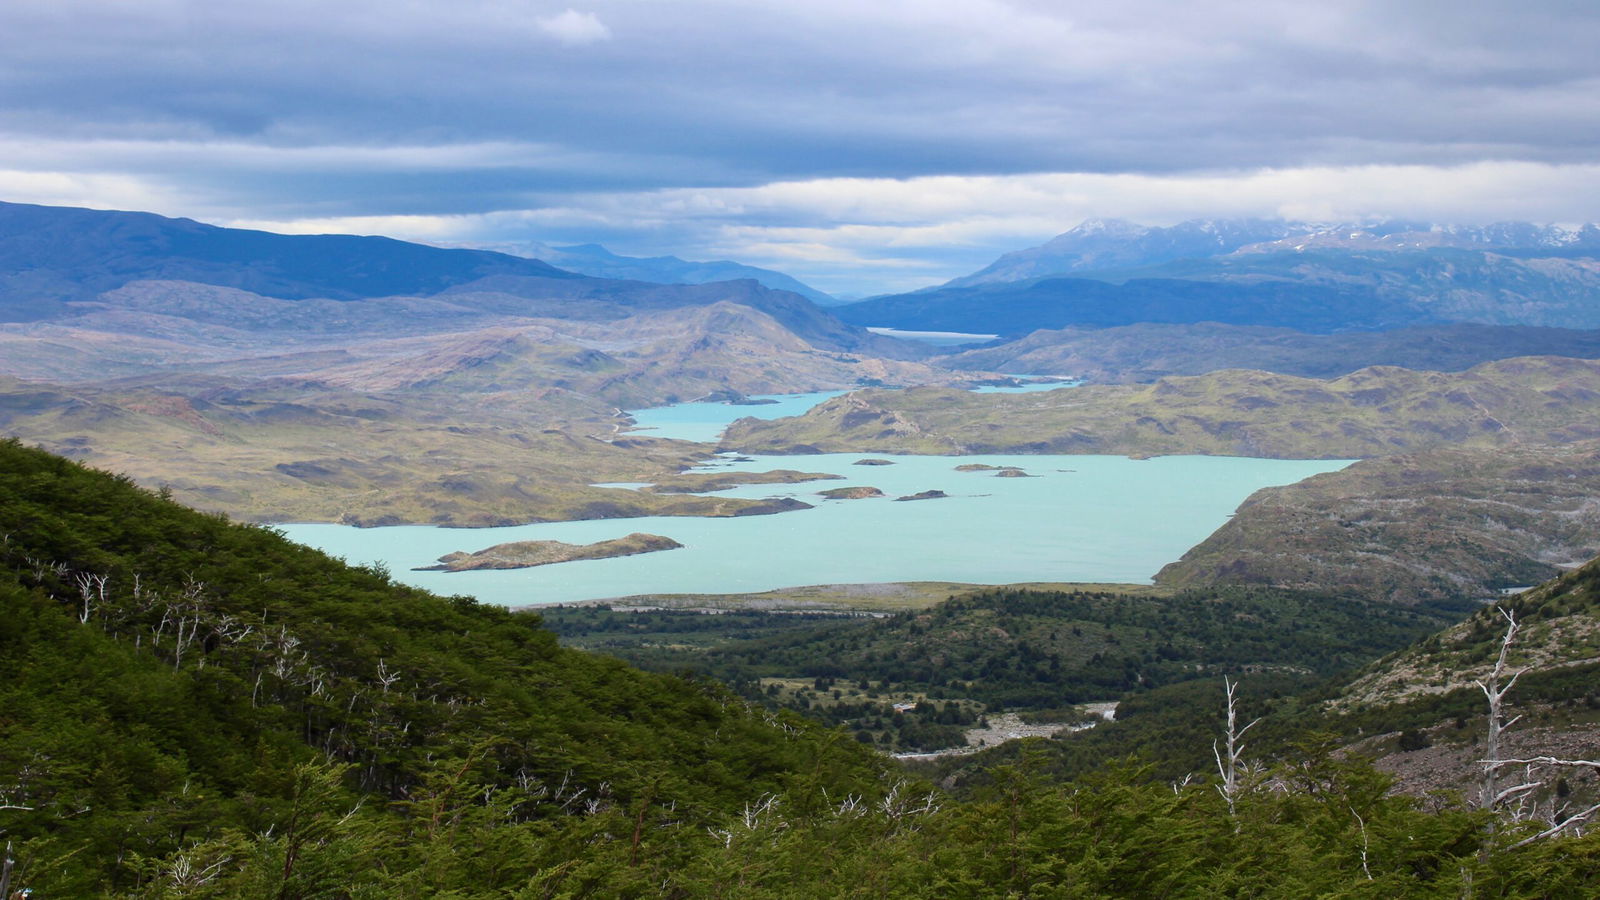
[924, 495]
[873, 462]
[526, 554]
[850, 493]
[999, 471]
[771, 506]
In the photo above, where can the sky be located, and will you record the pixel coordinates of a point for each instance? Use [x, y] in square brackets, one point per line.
[863, 147]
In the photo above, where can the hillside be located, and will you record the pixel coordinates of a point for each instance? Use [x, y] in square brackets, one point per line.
[388, 409]
[1372, 412]
[1144, 352]
[51, 254]
[63, 263]
[1561, 629]
[195, 708]
[1550, 287]
[1441, 523]
[1017, 308]
[1420, 711]
[995, 650]
[293, 454]
[1317, 278]
[280, 421]
[180, 687]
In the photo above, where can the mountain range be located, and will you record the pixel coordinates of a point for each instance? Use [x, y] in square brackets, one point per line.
[336, 378]
[256, 719]
[1316, 278]
[593, 259]
[53, 258]
[1098, 245]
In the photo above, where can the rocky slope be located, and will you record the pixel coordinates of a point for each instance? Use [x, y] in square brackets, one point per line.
[1560, 629]
[1438, 524]
[1422, 715]
[258, 374]
[1147, 351]
[1372, 412]
[276, 453]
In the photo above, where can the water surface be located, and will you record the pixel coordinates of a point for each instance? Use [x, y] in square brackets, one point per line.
[1083, 518]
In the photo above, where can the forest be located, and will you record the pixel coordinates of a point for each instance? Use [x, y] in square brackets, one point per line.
[196, 708]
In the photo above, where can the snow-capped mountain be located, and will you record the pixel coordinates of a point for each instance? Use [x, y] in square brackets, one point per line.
[1099, 245]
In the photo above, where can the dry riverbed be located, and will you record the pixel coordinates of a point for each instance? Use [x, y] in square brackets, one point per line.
[1010, 727]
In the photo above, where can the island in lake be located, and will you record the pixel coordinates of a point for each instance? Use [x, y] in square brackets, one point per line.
[999, 471]
[525, 554]
[850, 493]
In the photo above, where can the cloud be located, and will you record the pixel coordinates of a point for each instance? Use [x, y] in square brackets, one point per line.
[918, 133]
[752, 93]
[863, 235]
[575, 28]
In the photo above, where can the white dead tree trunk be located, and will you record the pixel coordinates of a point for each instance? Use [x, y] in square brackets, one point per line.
[90, 588]
[386, 676]
[1490, 795]
[1228, 762]
[1494, 797]
[6, 864]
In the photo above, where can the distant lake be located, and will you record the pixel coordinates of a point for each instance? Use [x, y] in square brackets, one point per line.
[1083, 518]
[705, 421]
[936, 338]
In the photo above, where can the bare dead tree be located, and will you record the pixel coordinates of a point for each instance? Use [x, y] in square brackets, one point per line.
[386, 677]
[6, 864]
[1518, 802]
[90, 587]
[1490, 796]
[1365, 844]
[1228, 762]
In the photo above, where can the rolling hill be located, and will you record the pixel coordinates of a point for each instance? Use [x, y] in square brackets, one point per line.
[1372, 412]
[1148, 351]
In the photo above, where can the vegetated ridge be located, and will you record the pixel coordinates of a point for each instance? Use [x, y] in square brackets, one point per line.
[202, 708]
[184, 690]
[1372, 412]
[1148, 351]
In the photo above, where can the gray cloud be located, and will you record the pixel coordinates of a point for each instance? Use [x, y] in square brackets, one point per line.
[363, 108]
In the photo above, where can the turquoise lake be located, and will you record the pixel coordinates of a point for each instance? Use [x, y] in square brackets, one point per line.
[1081, 518]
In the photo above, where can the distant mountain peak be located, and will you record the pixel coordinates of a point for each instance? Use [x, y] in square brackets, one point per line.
[601, 262]
[1407, 235]
[1101, 244]
[1105, 226]
[1118, 244]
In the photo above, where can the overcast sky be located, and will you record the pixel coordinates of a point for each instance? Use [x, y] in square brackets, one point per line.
[861, 146]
